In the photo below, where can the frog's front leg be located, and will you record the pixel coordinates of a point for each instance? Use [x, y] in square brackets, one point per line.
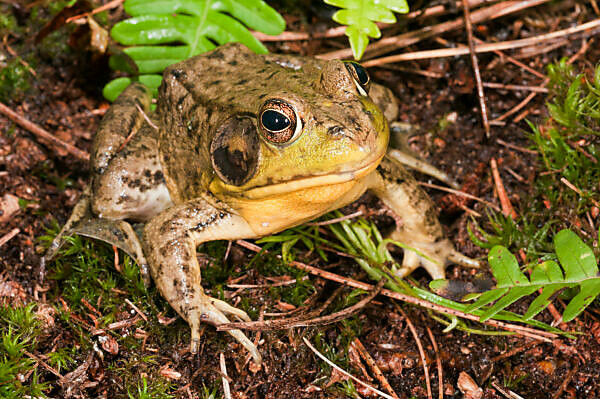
[170, 241]
[417, 223]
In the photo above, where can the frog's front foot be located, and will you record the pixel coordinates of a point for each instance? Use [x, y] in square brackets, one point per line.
[214, 311]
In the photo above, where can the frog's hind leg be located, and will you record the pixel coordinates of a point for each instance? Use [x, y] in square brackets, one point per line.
[400, 151]
[115, 232]
[417, 223]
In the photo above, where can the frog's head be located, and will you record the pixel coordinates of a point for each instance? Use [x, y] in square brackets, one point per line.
[281, 124]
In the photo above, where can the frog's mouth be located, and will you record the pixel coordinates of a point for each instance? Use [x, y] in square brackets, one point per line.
[309, 182]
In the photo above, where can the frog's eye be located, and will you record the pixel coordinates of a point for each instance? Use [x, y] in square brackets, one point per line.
[360, 76]
[279, 122]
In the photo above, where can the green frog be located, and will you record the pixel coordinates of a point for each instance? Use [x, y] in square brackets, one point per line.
[241, 146]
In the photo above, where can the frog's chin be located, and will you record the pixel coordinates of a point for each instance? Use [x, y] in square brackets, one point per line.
[310, 182]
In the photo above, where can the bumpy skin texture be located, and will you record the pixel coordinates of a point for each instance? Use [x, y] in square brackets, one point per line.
[209, 172]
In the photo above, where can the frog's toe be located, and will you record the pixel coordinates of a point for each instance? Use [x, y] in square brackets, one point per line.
[433, 257]
[431, 261]
[463, 260]
[230, 310]
[211, 310]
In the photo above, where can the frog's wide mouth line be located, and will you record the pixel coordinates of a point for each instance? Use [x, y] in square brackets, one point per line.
[309, 182]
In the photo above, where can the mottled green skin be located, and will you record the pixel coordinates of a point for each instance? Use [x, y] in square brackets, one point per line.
[206, 90]
[165, 175]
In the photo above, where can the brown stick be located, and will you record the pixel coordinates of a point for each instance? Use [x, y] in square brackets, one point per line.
[384, 45]
[475, 62]
[507, 208]
[438, 361]
[484, 47]
[521, 330]
[413, 330]
[280, 324]
[43, 134]
[9, 236]
[340, 30]
[373, 366]
[503, 86]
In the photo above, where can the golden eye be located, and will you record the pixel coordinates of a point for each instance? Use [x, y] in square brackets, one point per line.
[360, 76]
[278, 121]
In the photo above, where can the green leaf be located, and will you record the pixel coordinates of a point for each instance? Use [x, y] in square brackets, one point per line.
[505, 267]
[588, 292]
[580, 271]
[360, 17]
[543, 300]
[163, 32]
[577, 258]
[512, 296]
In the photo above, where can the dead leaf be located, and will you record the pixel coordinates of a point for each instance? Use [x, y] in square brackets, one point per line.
[98, 36]
[9, 205]
[109, 344]
[169, 373]
[468, 387]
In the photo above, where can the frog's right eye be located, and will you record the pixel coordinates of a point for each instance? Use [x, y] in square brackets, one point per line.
[279, 122]
[360, 76]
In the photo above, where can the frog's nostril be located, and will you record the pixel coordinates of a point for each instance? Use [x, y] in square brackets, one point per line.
[336, 131]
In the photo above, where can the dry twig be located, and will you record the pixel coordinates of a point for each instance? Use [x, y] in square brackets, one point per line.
[459, 193]
[280, 324]
[9, 236]
[517, 329]
[41, 133]
[507, 208]
[591, 27]
[344, 372]
[371, 363]
[137, 310]
[393, 43]
[223, 367]
[475, 62]
[413, 330]
[438, 361]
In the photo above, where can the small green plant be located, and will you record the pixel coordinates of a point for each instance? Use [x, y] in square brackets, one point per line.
[19, 329]
[155, 390]
[360, 17]
[580, 271]
[161, 33]
[14, 81]
[575, 101]
[364, 243]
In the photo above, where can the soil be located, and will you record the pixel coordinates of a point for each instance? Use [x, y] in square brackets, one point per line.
[438, 98]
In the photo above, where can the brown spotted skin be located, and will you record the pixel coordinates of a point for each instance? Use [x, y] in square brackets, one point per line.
[208, 171]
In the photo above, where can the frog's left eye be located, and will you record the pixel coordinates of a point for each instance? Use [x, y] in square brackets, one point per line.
[360, 76]
[279, 122]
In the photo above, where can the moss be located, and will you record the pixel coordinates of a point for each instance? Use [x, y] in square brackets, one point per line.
[568, 147]
[14, 81]
[19, 330]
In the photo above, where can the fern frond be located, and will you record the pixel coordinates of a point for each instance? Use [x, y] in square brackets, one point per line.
[579, 270]
[163, 32]
[360, 17]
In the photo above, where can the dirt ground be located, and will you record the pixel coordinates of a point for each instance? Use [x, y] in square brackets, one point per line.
[40, 184]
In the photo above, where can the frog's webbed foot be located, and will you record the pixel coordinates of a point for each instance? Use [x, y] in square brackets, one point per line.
[213, 311]
[118, 233]
[115, 232]
[432, 256]
[170, 241]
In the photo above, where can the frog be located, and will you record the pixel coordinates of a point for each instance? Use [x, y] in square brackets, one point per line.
[240, 146]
